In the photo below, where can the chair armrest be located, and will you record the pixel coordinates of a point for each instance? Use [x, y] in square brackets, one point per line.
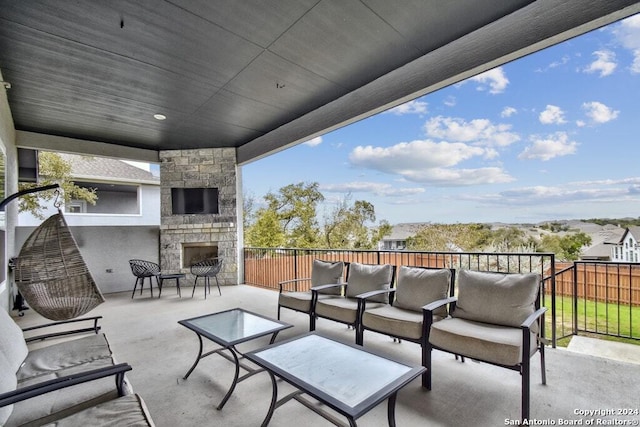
[34, 390]
[95, 328]
[328, 286]
[432, 306]
[286, 282]
[370, 294]
[427, 312]
[533, 317]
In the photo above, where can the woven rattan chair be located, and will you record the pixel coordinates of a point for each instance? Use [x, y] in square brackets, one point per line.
[51, 274]
[208, 268]
[144, 269]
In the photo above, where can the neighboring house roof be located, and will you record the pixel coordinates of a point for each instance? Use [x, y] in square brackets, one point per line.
[104, 168]
[599, 251]
[634, 231]
[404, 231]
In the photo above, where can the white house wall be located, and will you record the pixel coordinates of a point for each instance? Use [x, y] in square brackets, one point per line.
[149, 213]
[107, 250]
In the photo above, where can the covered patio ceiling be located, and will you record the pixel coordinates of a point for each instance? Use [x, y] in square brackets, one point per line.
[252, 74]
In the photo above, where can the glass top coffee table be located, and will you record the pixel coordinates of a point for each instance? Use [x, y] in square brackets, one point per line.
[227, 329]
[347, 378]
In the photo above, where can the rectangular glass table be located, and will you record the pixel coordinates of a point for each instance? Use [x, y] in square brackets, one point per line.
[228, 329]
[347, 378]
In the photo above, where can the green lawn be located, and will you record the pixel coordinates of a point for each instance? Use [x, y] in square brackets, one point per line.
[619, 322]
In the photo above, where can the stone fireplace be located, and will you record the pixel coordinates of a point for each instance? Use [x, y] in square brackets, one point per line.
[189, 238]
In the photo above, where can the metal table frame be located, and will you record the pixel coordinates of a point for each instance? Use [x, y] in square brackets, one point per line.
[351, 412]
[235, 355]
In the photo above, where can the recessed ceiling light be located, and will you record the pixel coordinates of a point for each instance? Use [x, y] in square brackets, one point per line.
[159, 116]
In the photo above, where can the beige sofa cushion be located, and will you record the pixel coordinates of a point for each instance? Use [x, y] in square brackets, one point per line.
[54, 360]
[7, 383]
[324, 273]
[418, 287]
[364, 278]
[482, 341]
[340, 309]
[300, 301]
[58, 360]
[128, 411]
[394, 321]
[12, 342]
[498, 298]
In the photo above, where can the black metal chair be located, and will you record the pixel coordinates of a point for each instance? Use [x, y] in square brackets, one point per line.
[208, 268]
[143, 269]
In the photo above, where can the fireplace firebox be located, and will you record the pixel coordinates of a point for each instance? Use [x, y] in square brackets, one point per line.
[196, 252]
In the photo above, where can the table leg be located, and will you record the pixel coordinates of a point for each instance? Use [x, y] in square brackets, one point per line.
[274, 400]
[197, 358]
[273, 337]
[391, 410]
[235, 380]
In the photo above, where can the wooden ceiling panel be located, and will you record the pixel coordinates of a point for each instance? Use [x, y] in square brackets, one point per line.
[344, 42]
[253, 74]
[275, 81]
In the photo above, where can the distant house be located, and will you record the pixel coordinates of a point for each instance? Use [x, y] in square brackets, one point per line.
[620, 245]
[123, 224]
[397, 240]
[127, 194]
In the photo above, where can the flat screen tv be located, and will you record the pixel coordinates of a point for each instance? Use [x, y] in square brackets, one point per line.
[185, 201]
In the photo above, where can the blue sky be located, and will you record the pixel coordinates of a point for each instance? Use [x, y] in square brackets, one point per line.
[554, 135]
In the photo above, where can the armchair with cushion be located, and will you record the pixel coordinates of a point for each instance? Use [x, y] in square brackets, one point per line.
[404, 316]
[343, 307]
[24, 367]
[322, 273]
[496, 319]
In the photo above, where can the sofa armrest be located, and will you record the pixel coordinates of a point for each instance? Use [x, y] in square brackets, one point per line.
[315, 289]
[295, 281]
[95, 328]
[427, 310]
[34, 390]
[533, 317]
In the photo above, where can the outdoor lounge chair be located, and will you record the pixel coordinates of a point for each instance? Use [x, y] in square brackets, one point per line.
[23, 368]
[404, 316]
[343, 307]
[322, 273]
[496, 319]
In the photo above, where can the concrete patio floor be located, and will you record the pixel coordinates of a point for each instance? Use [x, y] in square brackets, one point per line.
[144, 332]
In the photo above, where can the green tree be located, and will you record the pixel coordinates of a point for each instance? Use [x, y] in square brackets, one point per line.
[53, 169]
[347, 226]
[293, 209]
[566, 248]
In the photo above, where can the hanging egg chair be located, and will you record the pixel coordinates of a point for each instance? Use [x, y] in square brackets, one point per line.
[51, 274]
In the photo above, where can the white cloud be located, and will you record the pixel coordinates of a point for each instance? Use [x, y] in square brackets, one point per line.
[314, 142]
[599, 113]
[605, 63]
[495, 79]
[377, 188]
[450, 101]
[478, 131]
[552, 115]
[508, 112]
[628, 34]
[411, 107]
[563, 195]
[544, 149]
[430, 162]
